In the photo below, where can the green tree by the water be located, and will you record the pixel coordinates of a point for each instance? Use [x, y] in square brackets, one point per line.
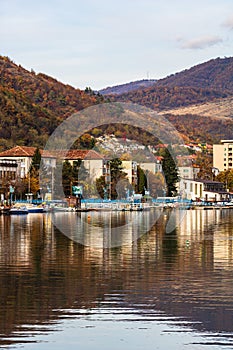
[141, 181]
[73, 174]
[226, 177]
[170, 171]
[32, 179]
[117, 176]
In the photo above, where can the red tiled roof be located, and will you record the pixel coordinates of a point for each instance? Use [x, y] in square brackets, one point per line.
[19, 151]
[24, 151]
[82, 154]
[161, 145]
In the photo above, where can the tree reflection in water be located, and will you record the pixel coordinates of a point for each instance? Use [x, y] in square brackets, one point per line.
[186, 273]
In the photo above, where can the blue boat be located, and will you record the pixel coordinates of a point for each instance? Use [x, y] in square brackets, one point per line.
[18, 210]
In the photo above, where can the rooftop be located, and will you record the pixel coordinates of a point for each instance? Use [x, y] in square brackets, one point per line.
[19, 151]
[226, 141]
[24, 151]
[82, 154]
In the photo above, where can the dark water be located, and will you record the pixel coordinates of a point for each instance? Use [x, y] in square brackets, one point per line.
[156, 291]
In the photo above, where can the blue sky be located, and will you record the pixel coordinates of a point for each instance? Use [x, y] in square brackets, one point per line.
[103, 43]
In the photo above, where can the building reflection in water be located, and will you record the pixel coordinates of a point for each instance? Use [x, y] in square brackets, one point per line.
[185, 273]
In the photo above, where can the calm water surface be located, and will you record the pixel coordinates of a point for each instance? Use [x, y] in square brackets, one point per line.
[156, 290]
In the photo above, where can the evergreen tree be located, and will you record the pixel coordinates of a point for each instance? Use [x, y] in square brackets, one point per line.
[142, 181]
[73, 175]
[79, 172]
[32, 179]
[67, 177]
[36, 159]
[170, 172]
[101, 186]
[117, 174]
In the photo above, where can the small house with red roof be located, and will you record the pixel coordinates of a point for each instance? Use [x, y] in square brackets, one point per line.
[92, 161]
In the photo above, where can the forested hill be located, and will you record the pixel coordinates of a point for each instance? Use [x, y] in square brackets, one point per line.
[197, 101]
[205, 82]
[32, 105]
[43, 90]
[166, 97]
[216, 74]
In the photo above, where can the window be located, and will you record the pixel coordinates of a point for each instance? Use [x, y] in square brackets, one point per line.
[195, 189]
[191, 187]
[200, 190]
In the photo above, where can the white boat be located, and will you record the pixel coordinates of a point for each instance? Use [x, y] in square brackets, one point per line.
[62, 209]
[32, 208]
[18, 210]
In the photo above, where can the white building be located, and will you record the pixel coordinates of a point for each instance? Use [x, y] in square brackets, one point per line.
[22, 156]
[203, 190]
[93, 162]
[130, 168]
[153, 167]
[8, 169]
[188, 172]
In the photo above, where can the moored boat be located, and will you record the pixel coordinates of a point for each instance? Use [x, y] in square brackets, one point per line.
[32, 208]
[18, 210]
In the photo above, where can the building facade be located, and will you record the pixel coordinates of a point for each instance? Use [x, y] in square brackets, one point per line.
[188, 172]
[130, 168]
[93, 162]
[153, 167]
[204, 190]
[223, 155]
[22, 156]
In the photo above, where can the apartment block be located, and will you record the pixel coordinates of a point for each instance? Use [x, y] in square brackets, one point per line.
[188, 172]
[223, 155]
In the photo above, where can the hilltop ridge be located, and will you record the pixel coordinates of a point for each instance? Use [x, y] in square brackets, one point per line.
[33, 104]
[127, 87]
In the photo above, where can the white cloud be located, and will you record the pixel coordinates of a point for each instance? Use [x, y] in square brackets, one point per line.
[229, 22]
[201, 42]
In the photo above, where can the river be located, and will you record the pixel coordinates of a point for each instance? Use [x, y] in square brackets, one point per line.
[137, 287]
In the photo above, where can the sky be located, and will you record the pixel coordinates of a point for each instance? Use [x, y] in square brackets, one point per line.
[100, 43]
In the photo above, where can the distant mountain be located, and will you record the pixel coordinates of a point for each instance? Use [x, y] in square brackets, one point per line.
[192, 99]
[216, 74]
[124, 88]
[202, 83]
